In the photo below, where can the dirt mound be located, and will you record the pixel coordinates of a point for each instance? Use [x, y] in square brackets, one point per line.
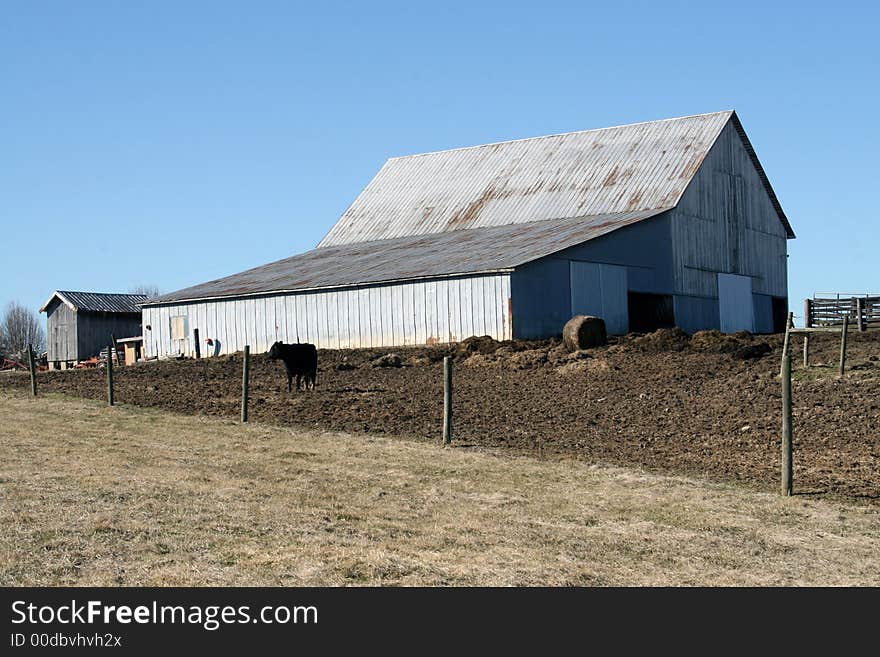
[583, 332]
[714, 342]
[527, 360]
[480, 360]
[482, 345]
[741, 345]
[667, 339]
[388, 360]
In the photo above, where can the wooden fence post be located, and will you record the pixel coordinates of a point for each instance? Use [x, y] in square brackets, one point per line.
[787, 461]
[33, 370]
[244, 383]
[196, 342]
[785, 343]
[860, 311]
[808, 313]
[110, 374]
[843, 333]
[447, 400]
[787, 469]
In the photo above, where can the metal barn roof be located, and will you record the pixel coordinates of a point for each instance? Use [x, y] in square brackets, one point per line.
[630, 168]
[421, 256]
[98, 302]
[495, 207]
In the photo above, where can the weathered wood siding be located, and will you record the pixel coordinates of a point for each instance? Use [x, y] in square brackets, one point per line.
[417, 313]
[72, 335]
[725, 223]
[60, 332]
[94, 330]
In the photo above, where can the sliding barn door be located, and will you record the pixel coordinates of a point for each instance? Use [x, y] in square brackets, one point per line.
[600, 290]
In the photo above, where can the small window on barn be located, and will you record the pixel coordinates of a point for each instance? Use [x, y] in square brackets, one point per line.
[179, 327]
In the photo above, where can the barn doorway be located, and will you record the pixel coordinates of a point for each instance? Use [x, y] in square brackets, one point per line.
[600, 290]
[649, 312]
[780, 313]
[736, 307]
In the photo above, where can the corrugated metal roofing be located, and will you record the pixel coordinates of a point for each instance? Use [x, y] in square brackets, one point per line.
[629, 168]
[99, 301]
[496, 206]
[419, 256]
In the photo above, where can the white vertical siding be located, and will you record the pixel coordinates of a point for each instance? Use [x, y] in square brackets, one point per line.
[422, 312]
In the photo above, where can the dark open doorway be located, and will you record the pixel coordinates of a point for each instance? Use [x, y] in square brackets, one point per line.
[649, 312]
[780, 314]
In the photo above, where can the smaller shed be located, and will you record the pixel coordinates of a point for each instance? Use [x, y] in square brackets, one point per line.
[80, 324]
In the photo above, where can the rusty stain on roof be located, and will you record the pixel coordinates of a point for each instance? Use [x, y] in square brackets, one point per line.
[627, 168]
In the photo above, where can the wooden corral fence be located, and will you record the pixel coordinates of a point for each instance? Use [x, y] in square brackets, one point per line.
[863, 311]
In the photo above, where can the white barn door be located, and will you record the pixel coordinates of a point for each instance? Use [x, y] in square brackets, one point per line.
[735, 305]
[601, 291]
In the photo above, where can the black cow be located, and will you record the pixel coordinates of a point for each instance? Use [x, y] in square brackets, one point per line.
[300, 360]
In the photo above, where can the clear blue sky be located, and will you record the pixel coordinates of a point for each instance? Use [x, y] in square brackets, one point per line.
[173, 143]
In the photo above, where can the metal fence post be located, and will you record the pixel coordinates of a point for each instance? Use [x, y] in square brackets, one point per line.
[843, 333]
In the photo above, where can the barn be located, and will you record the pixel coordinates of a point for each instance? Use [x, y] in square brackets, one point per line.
[670, 222]
[80, 324]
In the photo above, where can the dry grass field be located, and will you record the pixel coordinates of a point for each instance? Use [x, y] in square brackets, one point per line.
[91, 495]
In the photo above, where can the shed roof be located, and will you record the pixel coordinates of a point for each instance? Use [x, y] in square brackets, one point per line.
[99, 302]
[629, 168]
[420, 256]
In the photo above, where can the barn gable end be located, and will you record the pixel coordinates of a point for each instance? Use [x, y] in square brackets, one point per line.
[728, 221]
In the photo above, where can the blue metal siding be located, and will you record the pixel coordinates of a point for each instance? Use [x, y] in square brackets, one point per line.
[541, 298]
[736, 307]
[763, 313]
[644, 248]
[600, 290]
[696, 313]
[542, 291]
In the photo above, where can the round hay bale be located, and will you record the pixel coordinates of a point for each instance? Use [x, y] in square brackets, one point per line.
[583, 332]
